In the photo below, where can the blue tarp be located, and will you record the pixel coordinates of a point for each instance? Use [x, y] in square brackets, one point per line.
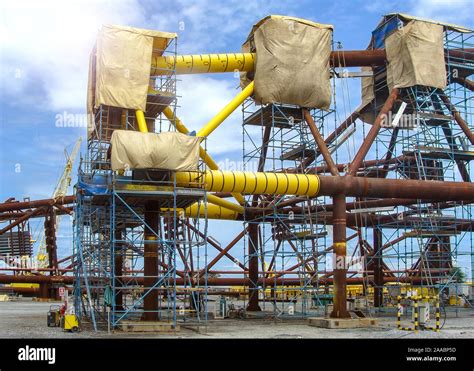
[383, 31]
[98, 185]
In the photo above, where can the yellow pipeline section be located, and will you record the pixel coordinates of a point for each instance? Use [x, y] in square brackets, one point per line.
[208, 160]
[224, 203]
[253, 182]
[226, 111]
[200, 211]
[203, 63]
[141, 121]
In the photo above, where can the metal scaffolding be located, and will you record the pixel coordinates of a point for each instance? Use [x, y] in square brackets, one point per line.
[133, 242]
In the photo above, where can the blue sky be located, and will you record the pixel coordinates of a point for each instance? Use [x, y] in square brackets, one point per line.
[44, 60]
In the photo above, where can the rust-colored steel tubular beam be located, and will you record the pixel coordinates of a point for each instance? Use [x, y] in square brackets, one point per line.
[356, 58]
[339, 265]
[378, 268]
[253, 267]
[331, 137]
[132, 281]
[466, 53]
[13, 206]
[18, 214]
[320, 142]
[51, 247]
[150, 265]
[396, 188]
[21, 220]
[468, 84]
[225, 250]
[462, 124]
[372, 134]
[216, 246]
[365, 164]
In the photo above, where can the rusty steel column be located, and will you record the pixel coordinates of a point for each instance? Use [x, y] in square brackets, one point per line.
[339, 258]
[118, 264]
[253, 268]
[378, 268]
[150, 265]
[51, 248]
[43, 291]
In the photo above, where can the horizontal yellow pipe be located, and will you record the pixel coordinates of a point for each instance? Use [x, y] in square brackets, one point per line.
[211, 211]
[253, 182]
[208, 160]
[226, 111]
[141, 121]
[203, 63]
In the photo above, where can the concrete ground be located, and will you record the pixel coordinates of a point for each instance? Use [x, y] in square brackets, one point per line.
[27, 319]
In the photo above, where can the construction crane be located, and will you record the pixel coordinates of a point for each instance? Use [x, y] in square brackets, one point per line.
[59, 191]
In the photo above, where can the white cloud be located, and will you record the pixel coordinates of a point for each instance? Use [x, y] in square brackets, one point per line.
[202, 97]
[45, 48]
[452, 11]
[455, 11]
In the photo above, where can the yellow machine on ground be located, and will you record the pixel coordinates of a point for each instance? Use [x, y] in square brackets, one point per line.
[63, 316]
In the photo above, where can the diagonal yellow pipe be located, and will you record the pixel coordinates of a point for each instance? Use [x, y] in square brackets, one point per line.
[224, 203]
[141, 121]
[226, 111]
[208, 160]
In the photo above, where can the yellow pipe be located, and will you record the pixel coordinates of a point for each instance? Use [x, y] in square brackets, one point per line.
[224, 203]
[212, 211]
[203, 63]
[208, 160]
[226, 111]
[141, 121]
[253, 182]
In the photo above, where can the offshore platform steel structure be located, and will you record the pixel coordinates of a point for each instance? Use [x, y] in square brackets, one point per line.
[132, 246]
[310, 212]
[401, 241]
[424, 241]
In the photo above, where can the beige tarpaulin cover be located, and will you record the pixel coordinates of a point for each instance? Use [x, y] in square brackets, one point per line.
[368, 95]
[415, 55]
[368, 85]
[119, 67]
[292, 62]
[448, 26]
[166, 150]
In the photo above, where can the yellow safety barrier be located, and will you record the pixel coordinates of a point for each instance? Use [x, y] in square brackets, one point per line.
[399, 313]
[416, 314]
